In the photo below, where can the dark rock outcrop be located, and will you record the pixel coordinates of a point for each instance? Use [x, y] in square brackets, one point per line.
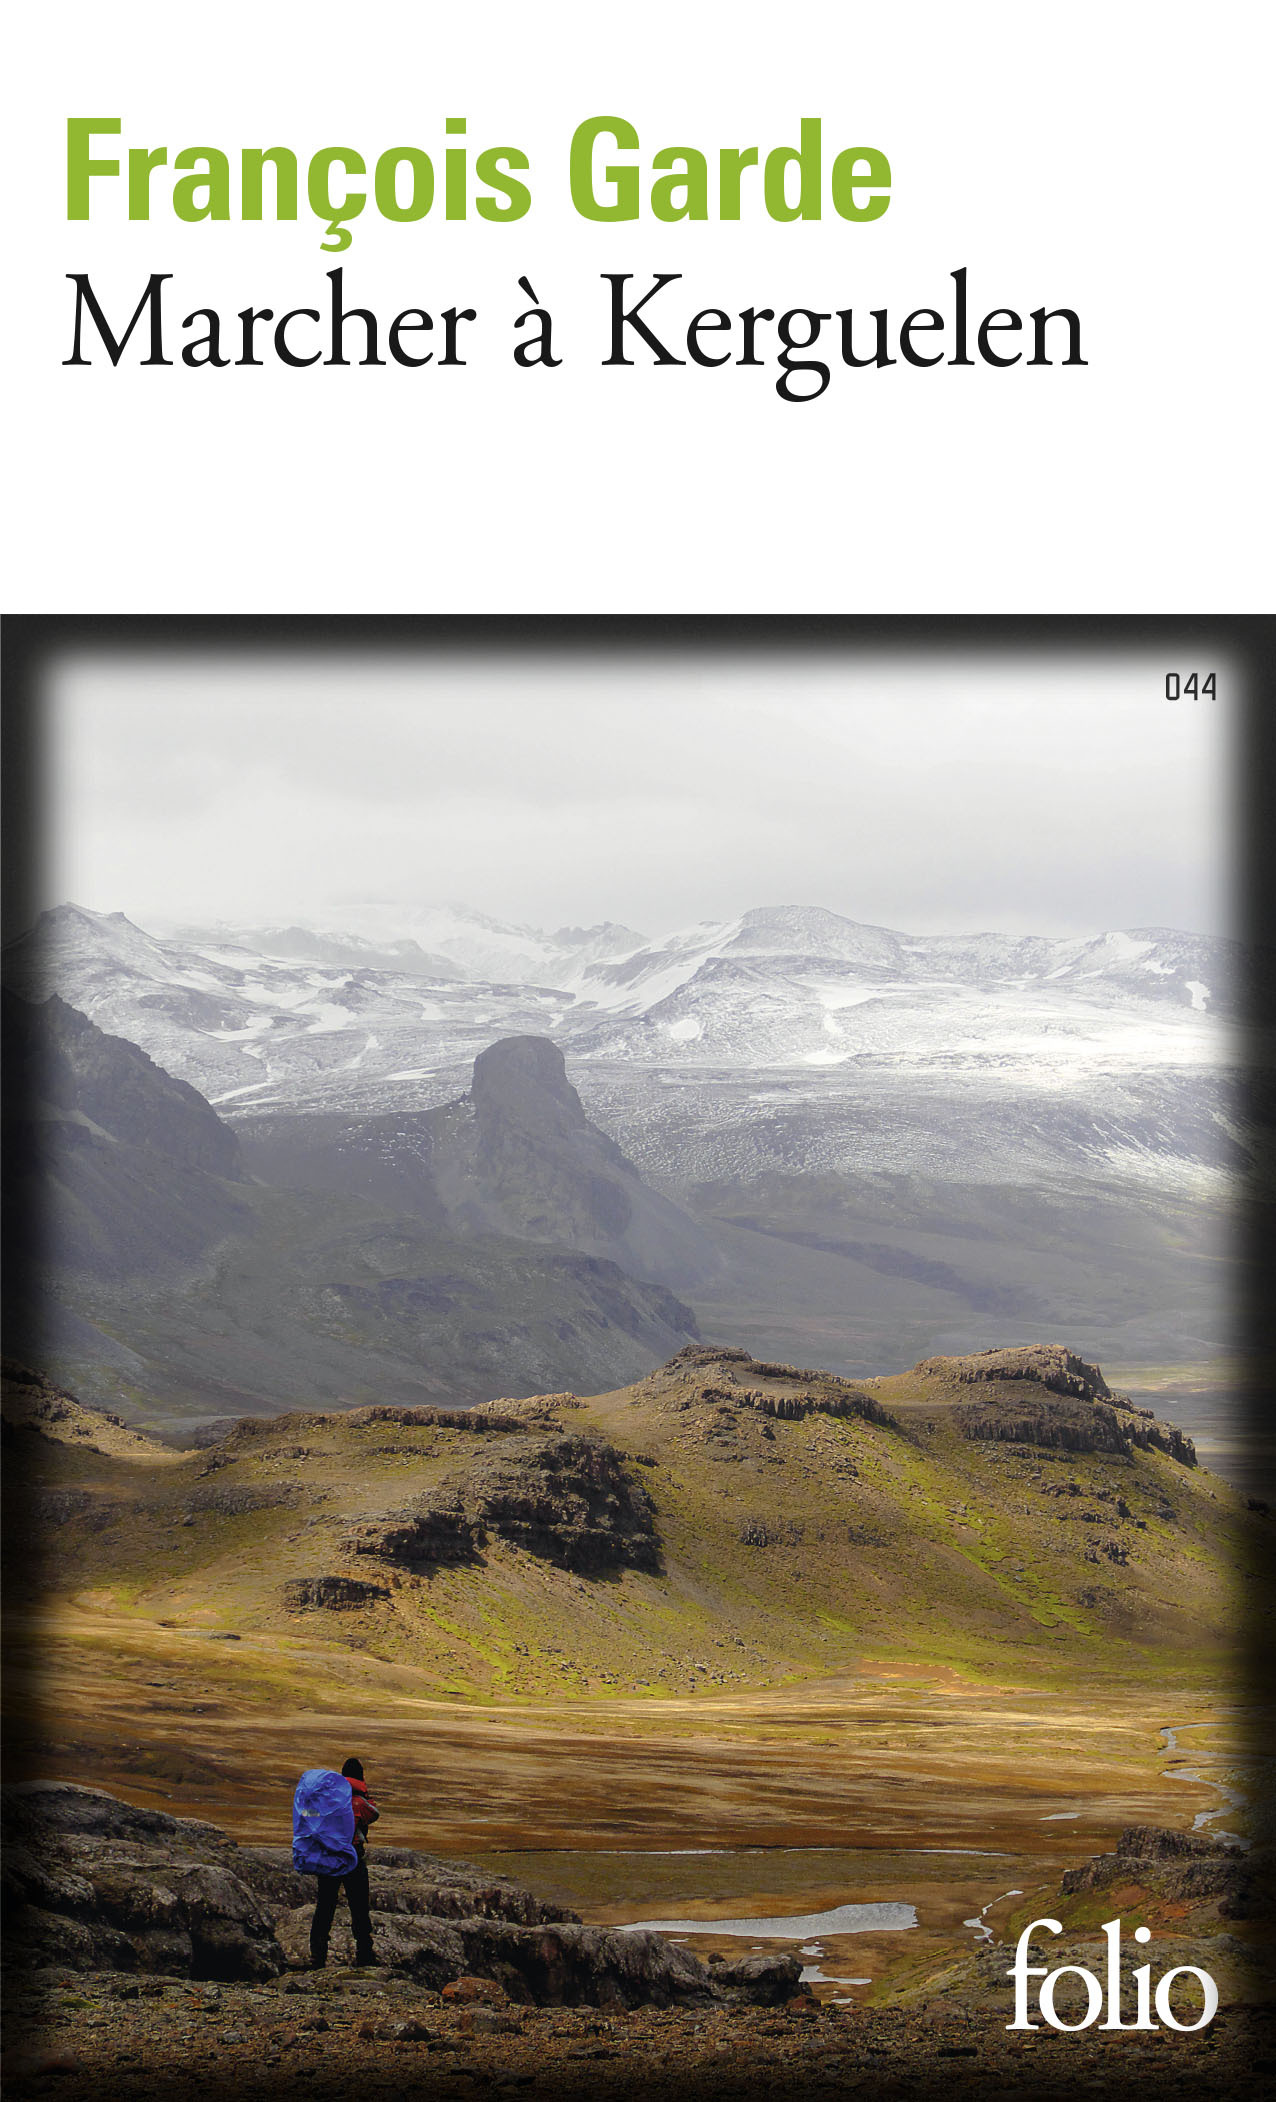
[771, 1532]
[1164, 1437]
[1182, 1867]
[1066, 1425]
[572, 1966]
[1076, 1411]
[1070, 1425]
[339, 1594]
[237, 1500]
[567, 1500]
[701, 1354]
[47, 1509]
[437, 1531]
[809, 1392]
[1046, 1364]
[570, 1501]
[793, 1407]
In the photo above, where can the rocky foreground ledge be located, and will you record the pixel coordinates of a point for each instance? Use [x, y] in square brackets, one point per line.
[148, 1955]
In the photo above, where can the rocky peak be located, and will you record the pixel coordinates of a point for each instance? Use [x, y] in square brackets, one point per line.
[608, 938]
[523, 1079]
[1047, 1365]
[1073, 1409]
[60, 1059]
[526, 1161]
[124, 1170]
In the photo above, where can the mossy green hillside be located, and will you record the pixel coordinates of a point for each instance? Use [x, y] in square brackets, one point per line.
[804, 1525]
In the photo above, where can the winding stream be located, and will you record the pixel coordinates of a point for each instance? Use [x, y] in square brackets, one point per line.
[1233, 1798]
[979, 1922]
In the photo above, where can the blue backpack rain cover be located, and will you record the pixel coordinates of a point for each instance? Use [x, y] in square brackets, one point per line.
[323, 1824]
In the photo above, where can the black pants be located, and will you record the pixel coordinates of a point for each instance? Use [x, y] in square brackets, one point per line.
[356, 1883]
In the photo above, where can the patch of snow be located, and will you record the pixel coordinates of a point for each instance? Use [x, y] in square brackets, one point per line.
[352, 1065]
[1200, 994]
[256, 1027]
[836, 997]
[283, 996]
[1123, 948]
[1207, 1180]
[328, 1019]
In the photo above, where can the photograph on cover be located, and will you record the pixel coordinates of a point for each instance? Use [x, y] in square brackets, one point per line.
[625, 1394]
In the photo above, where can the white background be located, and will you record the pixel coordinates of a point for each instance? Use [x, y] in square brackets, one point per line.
[1112, 158]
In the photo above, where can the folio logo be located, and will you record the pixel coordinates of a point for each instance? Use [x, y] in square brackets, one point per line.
[1021, 1971]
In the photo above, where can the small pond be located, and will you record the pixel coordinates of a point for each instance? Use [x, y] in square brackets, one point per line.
[792, 1926]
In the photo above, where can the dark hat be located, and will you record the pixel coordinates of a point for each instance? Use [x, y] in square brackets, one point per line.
[353, 1770]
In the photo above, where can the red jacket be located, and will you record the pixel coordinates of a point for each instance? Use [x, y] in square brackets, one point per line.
[365, 1811]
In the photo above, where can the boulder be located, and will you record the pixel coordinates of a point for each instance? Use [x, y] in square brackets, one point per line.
[766, 1981]
[96, 1884]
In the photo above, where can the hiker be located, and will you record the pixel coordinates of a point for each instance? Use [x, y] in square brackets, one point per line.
[365, 1810]
[337, 1858]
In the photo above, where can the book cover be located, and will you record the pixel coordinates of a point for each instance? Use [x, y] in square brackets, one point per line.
[636, 976]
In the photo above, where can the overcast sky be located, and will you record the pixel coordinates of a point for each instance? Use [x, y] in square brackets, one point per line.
[1058, 794]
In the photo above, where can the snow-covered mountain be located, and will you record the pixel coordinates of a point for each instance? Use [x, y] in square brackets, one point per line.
[298, 1019]
[254, 1030]
[337, 951]
[612, 969]
[441, 941]
[806, 946]
[902, 1129]
[748, 1011]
